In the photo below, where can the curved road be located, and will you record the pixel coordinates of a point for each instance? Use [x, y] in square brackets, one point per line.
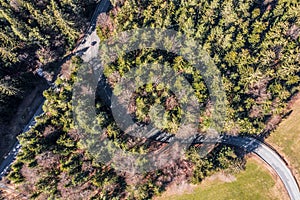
[249, 144]
[271, 158]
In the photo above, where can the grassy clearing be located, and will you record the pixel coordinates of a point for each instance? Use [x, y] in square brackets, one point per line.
[286, 139]
[254, 183]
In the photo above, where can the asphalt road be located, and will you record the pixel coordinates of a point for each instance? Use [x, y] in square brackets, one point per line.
[10, 157]
[271, 158]
[90, 51]
[249, 144]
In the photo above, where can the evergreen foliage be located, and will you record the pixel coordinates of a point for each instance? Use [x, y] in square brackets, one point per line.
[254, 44]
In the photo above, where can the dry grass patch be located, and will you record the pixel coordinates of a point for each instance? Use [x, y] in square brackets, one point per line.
[256, 182]
[286, 139]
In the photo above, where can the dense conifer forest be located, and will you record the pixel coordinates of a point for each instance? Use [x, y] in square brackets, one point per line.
[254, 44]
[35, 34]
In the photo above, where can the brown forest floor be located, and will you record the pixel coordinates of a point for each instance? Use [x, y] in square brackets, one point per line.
[25, 111]
[258, 181]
